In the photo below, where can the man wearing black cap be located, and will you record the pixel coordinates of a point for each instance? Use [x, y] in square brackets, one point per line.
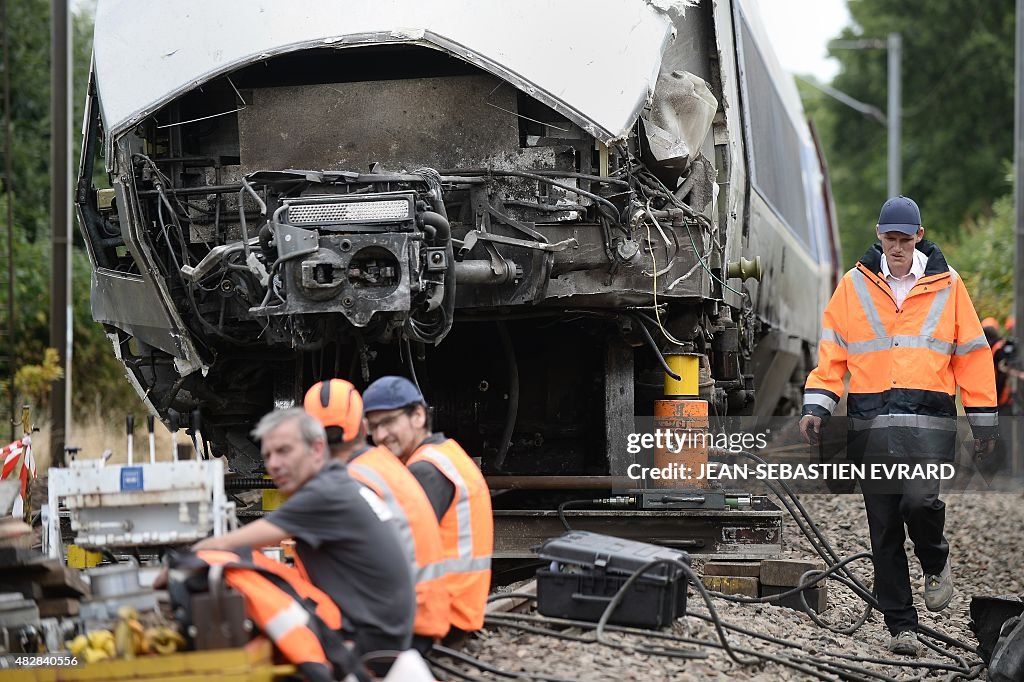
[903, 325]
[398, 419]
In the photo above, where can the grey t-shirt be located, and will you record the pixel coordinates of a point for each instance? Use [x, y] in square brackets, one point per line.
[352, 554]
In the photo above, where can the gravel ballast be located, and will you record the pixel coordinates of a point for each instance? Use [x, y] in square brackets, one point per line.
[987, 556]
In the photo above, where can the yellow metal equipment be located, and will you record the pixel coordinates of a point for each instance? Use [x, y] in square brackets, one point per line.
[252, 663]
[79, 557]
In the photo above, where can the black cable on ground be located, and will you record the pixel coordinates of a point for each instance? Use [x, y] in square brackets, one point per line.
[934, 647]
[823, 548]
[453, 671]
[837, 654]
[862, 590]
[670, 653]
[494, 670]
[766, 657]
[620, 595]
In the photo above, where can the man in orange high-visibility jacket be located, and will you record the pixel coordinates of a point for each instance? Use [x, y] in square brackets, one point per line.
[339, 407]
[343, 537]
[903, 325]
[398, 419]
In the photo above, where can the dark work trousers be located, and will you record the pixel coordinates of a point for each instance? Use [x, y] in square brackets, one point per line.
[917, 506]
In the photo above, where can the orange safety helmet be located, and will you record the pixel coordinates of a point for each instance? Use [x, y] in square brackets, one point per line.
[338, 406]
[990, 322]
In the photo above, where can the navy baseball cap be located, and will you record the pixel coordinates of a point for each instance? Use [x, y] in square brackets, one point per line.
[899, 214]
[391, 393]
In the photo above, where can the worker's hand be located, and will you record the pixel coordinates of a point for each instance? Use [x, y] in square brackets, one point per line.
[810, 428]
[983, 448]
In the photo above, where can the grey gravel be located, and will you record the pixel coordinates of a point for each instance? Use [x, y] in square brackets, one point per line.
[987, 556]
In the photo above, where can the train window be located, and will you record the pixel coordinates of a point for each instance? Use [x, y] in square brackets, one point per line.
[772, 139]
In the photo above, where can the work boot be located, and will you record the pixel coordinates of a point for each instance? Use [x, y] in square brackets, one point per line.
[938, 589]
[905, 644]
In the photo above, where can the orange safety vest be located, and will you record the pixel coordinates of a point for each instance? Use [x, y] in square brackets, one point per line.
[383, 473]
[467, 532]
[905, 363]
[277, 600]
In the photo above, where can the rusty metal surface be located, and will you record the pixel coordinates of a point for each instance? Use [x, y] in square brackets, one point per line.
[449, 122]
[709, 534]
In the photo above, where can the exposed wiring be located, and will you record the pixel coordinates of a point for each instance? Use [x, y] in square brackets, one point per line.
[654, 346]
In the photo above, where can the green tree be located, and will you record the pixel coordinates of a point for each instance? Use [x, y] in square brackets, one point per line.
[95, 371]
[957, 113]
[981, 255]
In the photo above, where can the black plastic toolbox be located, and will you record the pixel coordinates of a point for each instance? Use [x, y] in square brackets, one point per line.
[586, 571]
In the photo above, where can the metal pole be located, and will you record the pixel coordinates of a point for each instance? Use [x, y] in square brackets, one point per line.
[1018, 200]
[895, 49]
[60, 220]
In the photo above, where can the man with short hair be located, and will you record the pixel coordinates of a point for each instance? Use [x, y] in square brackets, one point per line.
[339, 408]
[344, 545]
[398, 419]
[903, 325]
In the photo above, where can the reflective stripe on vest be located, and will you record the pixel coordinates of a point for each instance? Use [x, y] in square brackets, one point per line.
[467, 532]
[931, 322]
[462, 510]
[972, 345]
[860, 285]
[921, 421]
[326, 609]
[386, 475]
[833, 336]
[284, 620]
[982, 418]
[424, 573]
[820, 400]
[374, 479]
[292, 617]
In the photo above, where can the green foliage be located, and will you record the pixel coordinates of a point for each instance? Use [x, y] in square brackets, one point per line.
[957, 80]
[29, 33]
[982, 254]
[34, 381]
[95, 371]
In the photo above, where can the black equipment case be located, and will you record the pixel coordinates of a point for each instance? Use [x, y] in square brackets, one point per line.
[588, 569]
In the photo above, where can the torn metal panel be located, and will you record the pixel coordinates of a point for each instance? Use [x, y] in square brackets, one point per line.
[529, 43]
[679, 119]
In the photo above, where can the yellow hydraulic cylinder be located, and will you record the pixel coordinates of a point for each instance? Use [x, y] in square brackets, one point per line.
[683, 413]
[688, 369]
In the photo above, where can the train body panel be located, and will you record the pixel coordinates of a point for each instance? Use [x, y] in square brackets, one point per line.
[491, 203]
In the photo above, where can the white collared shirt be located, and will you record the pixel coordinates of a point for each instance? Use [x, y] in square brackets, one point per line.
[901, 286]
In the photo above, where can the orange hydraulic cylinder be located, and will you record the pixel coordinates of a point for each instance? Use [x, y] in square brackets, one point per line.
[688, 419]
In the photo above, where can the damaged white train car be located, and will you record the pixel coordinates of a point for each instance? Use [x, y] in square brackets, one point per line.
[524, 205]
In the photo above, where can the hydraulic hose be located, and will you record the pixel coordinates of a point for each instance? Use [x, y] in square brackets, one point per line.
[438, 220]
